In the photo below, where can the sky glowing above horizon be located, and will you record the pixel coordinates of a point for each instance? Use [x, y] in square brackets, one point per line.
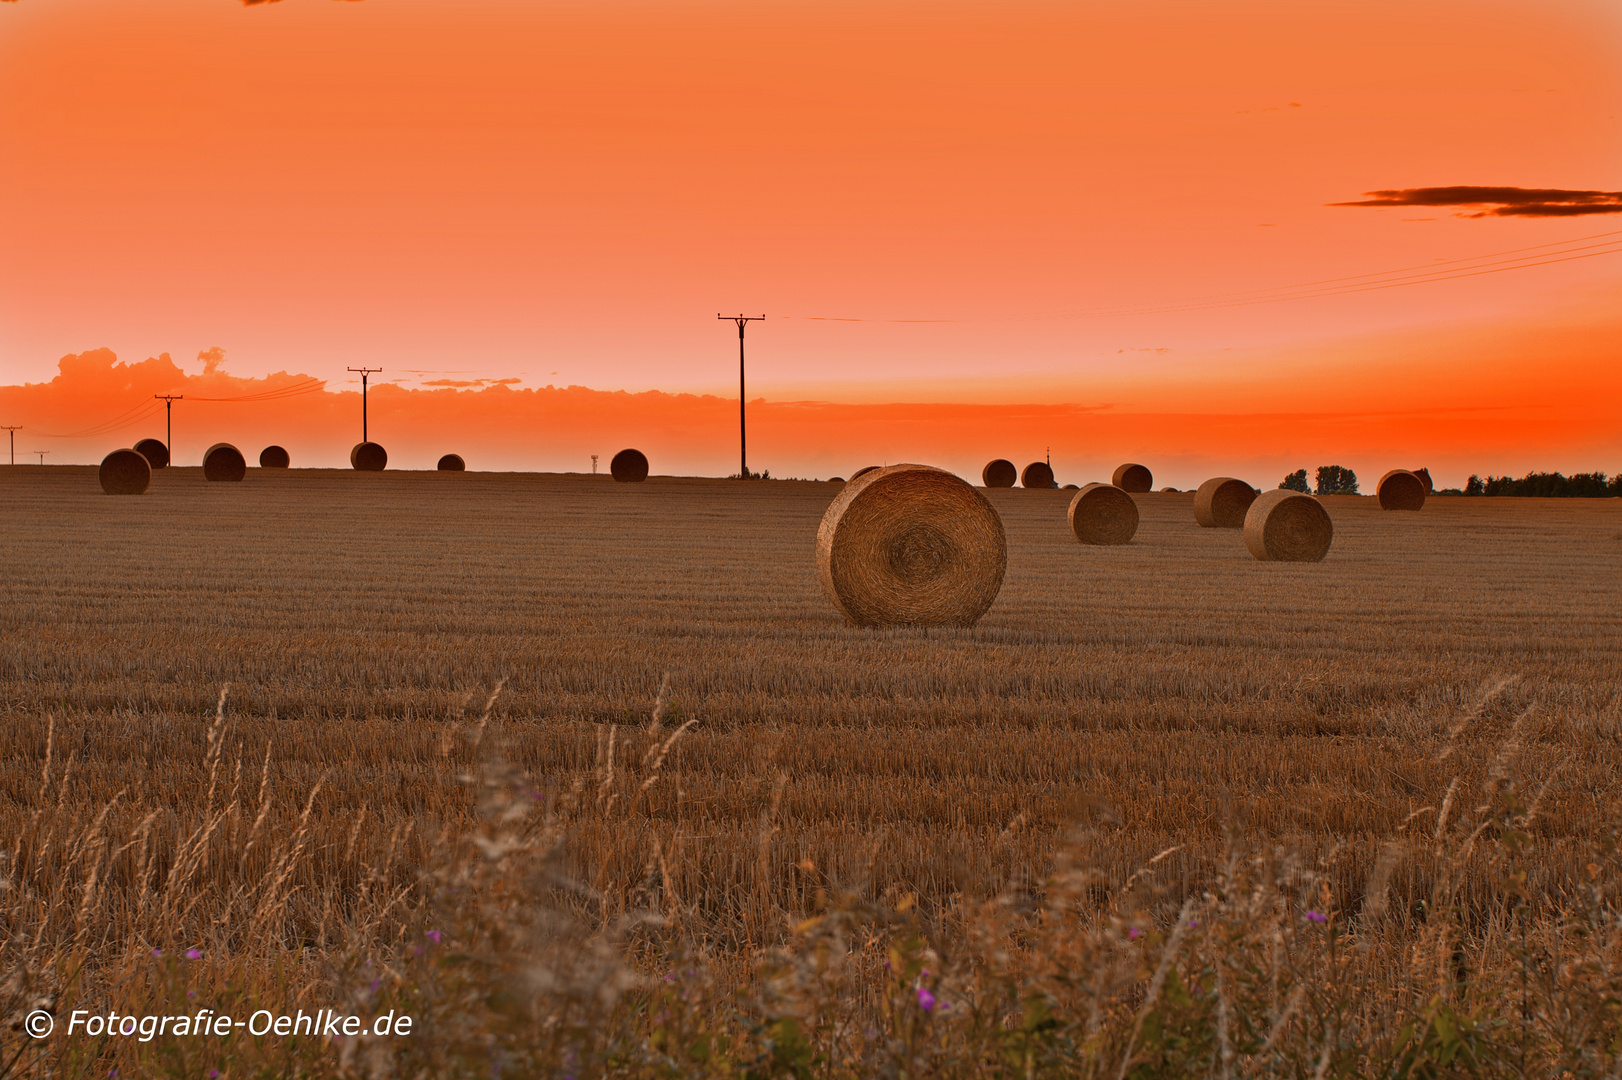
[1049, 223]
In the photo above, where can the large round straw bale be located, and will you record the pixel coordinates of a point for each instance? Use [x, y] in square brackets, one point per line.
[274, 457]
[222, 461]
[1038, 474]
[1221, 502]
[999, 473]
[1072, 487]
[629, 466]
[1136, 478]
[1103, 514]
[863, 471]
[1287, 526]
[1425, 478]
[452, 463]
[368, 457]
[836, 479]
[911, 545]
[125, 472]
[1400, 489]
[155, 452]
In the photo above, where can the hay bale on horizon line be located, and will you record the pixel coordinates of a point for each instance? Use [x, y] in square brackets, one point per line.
[368, 457]
[1400, 489]
[274, 457]
[1134, 478]
[1288, 526]
[1221, 503]
[1038, 474]
[1103, 515]
[911, 545]
[629, 466]
[224, 462]
[155, 452]
[999, 473]
[125, 472]
[836, 479]
[452, 463]
[1424, 475]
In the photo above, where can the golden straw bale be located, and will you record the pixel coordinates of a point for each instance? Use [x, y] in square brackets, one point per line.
[125, 472]
[863, 471]
[1134, 478]
[222, 461]
[452, 463]
[999, 473]
[629, 466]
[368, 457]
[1103, 514]
[1038, 474]
[274, 457]
[155, 452]
[1221, 502]
[911, 545]
[1400, 489]
[1287, 526]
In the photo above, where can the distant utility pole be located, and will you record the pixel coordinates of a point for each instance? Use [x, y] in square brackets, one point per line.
[594, 464]
[743, 442]
[168, 421]
[41, 454]
[364, 372]
[12, 428]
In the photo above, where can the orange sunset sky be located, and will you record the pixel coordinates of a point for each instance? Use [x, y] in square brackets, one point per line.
[977, 229]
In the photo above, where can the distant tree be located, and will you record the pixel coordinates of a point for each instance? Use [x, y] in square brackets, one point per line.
[1296, 481]
[1553, 485]
[1336, 480]
[1474, 486]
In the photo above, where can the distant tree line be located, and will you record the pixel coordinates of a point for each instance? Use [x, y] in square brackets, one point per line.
[1544, 485]
[1332, 480]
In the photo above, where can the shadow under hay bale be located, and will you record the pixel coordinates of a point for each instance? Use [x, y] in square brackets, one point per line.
[1000, 473]
[1425, 478]
[125, 472]
[863, 471]
[1102, 515]
[224, 462]
[274, 457]
[1134, 478]
[629, 466]
[1221, 503]
[1400, 489]
[1287, 526]
[452, 463]
[1038, 474]
[368, 457]
[155, 452]
[911, 545]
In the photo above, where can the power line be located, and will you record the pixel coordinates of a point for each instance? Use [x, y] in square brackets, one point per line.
[12, 429]
[364, 373]
[168, 427]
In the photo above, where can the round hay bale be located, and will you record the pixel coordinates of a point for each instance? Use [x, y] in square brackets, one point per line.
[1400, 489]
[125, 472]
[1221, 502]
[368, 457]
[1134, 478]
[1287, 526]
[911, 545]
[1425, 478]
[836, 479]
[155, 452]
[452, 463]
[1072, 487]
[863, 471]
[629, 466]
[274, 457]
[1038, 474]
[999, 473]
[1168, 491]
[222, 461]
[1103, 514]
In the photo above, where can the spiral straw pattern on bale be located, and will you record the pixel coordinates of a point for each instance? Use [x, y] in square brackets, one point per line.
[1425, 478]
[1287, 526]
[1134, 478]
[1038, 474]
[1400, 489]
[1000, 473]
[863, 471]
[911, 545]
[1221, 503]
[125, 472]
[274, 457]
[452, 463]
[1102, 515]
[222, 461]
[629, 466]
[155, 452]
[368, 457]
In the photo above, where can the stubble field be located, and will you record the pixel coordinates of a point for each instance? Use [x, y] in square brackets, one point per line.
[1114, 703]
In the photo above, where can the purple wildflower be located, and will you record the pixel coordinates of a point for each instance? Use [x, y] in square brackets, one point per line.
[193, 954]
[1317, 917]
[1192, 923]
[926, 1000]
[1132, 933]
[157, 952]
[434, 936]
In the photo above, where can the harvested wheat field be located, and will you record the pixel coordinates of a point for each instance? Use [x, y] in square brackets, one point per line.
[1113, 704]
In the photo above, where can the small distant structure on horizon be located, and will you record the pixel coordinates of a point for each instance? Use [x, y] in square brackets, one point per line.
[594, 464]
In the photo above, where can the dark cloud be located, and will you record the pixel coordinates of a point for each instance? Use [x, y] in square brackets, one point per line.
[1500, 201]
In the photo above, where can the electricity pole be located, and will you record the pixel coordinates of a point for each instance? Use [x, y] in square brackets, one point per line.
[364, 372]
[12, 428]
[41, 454]
[743, 442]
[168, 421]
